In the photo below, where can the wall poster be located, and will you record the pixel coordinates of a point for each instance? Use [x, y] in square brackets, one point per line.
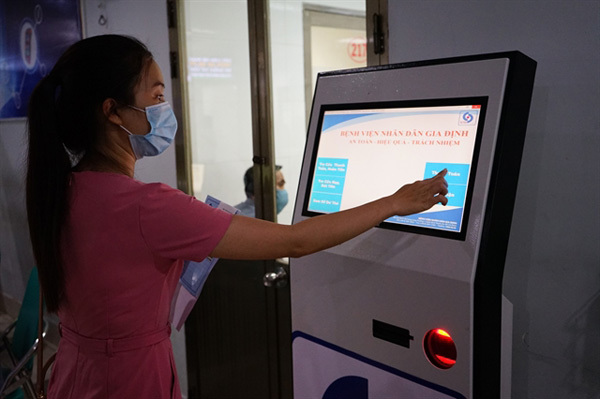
[33, 34]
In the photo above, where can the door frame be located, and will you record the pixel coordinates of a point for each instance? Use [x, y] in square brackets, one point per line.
[277, 300]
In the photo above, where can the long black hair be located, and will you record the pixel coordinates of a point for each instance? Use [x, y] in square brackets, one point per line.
[65, 121]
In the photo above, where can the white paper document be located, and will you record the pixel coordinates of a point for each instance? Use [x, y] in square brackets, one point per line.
[193, 277]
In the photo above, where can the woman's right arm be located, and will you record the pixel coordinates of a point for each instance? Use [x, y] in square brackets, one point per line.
[249, 238]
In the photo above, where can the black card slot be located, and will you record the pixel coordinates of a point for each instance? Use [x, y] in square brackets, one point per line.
[394, 334]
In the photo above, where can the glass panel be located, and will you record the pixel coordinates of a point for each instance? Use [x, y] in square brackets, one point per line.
[336, 48]
[218, 78]
[307, 39]
[224, 360]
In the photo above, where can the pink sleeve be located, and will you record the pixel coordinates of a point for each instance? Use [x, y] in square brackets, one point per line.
[178, 226]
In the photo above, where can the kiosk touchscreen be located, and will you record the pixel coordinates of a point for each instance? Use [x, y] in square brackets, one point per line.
[414, 306]
[363, 151]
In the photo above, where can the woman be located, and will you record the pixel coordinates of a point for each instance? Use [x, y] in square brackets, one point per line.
[109, 248]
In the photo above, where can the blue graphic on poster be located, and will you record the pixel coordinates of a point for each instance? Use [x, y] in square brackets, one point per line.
[33, 35]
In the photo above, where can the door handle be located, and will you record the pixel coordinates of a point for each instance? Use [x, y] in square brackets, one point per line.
[278, 278]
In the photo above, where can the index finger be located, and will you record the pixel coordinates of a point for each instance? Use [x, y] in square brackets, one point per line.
[441, 176]
[442, 173]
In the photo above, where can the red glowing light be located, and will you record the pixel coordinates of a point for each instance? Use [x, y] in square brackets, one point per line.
[440, 348]
[445, 360]
[439, 331]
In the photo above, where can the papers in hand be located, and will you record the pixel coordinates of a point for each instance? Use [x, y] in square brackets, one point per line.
[193, 277]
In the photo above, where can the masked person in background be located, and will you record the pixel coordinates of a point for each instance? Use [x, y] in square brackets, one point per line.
[110, 249]
[247, 208]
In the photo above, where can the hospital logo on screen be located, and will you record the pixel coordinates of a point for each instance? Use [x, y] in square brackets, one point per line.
[467, 118]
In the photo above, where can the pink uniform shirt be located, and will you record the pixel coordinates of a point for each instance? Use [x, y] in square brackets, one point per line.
[123, 246]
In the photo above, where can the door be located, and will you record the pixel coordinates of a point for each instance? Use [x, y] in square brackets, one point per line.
[231, 339]
[238, 336]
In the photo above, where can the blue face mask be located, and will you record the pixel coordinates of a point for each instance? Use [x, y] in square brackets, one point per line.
[281, 196]
[163, 126]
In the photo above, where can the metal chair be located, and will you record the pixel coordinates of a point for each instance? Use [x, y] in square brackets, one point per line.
[21, 345]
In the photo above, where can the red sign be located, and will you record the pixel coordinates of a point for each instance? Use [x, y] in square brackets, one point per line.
[357, 50]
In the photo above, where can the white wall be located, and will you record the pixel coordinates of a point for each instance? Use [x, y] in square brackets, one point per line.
[552, 273]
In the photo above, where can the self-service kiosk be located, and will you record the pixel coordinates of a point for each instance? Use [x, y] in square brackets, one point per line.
[412, 308]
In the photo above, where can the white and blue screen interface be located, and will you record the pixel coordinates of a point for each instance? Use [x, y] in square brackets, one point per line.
[365, 154]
